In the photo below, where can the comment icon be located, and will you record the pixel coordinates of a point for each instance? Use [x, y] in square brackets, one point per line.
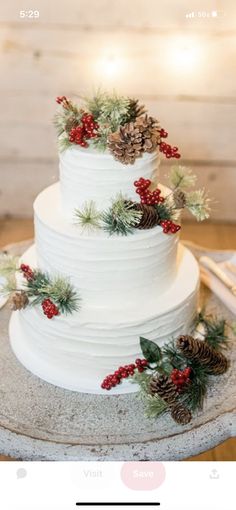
[21, 473]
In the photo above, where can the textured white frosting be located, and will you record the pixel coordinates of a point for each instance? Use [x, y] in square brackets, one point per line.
[88, 175]
[77, 351]
[110, 271]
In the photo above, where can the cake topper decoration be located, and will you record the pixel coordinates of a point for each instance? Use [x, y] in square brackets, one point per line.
[117, 123]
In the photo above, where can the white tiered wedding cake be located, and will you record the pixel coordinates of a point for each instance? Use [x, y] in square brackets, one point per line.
[144, 283]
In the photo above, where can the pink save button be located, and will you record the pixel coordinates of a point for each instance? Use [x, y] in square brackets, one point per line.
[143, 476]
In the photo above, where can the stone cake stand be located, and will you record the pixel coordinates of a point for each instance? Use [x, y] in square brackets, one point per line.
[39, 421]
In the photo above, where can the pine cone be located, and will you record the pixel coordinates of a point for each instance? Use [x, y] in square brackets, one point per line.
[19, 300]
[135, 109]
[165, 388]
[149, 217]
[179, 198]
[150, 129]
[126, 143]
[168, 391]
[134, 138]
[181, 414]
[200, 351]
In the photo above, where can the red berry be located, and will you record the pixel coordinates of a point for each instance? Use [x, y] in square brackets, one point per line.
[60, 99]
[28, 273]
[144, 362]
[49, 308]
[163, 133]
[187, 371]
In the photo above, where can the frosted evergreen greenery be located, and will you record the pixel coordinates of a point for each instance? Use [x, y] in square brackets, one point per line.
[57, 288]
[8, 268]
[215, 330]
[196, 201]
[8, 264]
[154, 405]
[121, 217]
[88, 217]
[162, 361]
[109, 108]
[198, 204]
[63, 142]
[110, 111]
[101, 141]
[64, 120]
[40, 286]
[181, 177]
[166, 210]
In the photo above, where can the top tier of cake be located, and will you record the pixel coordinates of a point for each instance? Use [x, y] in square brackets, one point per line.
[86, 174]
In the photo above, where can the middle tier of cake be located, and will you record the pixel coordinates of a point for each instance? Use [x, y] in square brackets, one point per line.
[114, 272]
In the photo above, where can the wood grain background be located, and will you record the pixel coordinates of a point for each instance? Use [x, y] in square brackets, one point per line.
[183, 68]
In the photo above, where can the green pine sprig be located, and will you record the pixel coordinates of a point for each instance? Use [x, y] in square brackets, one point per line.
[215, 330]
[121, 217]
[195, 392]
[165, 359]
[181, 177]
[100, 141]
[88, 217]
[40, 286]
[64, 142]
[8, 267]
[64, 120]
[8, 264]
[154, 405]
[111, 111]
[198, 203]
[57, 288]
[166, 210]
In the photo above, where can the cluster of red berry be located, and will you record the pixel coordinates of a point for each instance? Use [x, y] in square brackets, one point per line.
[80, 134]
[181, 377]
[169, 227]
[170, 152]
[49, 308]
[147, 197]
[63, 101]
[28, 273]
[163, 133]
[113, 379]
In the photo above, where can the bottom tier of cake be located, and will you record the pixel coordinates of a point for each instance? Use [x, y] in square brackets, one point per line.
[77, 351]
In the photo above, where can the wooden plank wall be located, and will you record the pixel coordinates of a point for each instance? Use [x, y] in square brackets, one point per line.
[183, 68]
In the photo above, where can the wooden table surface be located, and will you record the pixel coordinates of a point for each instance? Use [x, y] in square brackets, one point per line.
[212, 235]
